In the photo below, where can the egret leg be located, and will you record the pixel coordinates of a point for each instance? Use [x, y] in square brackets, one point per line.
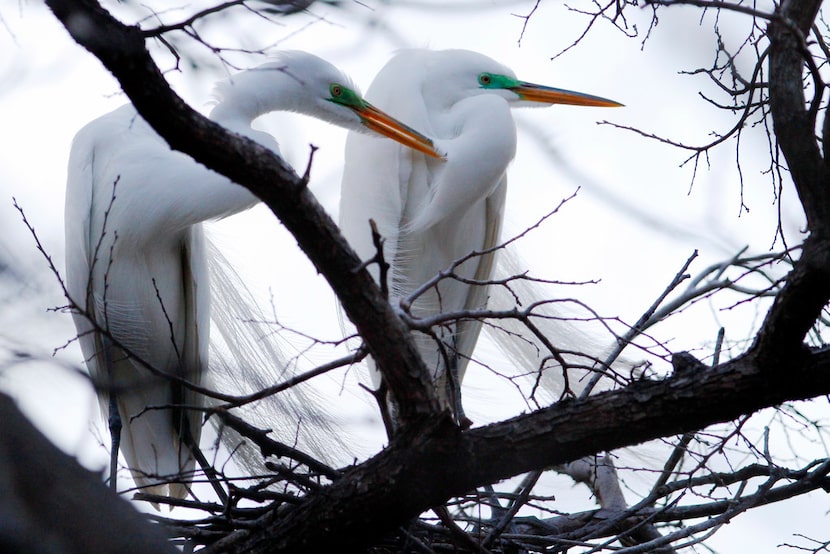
[494, 502]
[211, 474]
[502, 518]
[455, 392]
[115, 438]
[388, 413]
[115, 423]
[497, 511]
[207, 468]
[454, 387]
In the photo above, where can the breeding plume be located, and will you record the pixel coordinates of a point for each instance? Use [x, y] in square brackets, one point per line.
[137, 260]
[433, 212]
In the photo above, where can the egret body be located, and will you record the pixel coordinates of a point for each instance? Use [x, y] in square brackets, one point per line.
[433, 212]
[136, 257]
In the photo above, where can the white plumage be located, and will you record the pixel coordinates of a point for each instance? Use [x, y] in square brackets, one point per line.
[433, 212]
[136, 257]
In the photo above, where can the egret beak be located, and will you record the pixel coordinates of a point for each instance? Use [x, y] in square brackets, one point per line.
[390, 127]
[550, 95]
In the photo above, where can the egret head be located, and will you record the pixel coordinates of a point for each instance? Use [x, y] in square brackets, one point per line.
[349, 102]
[327, 93]
[301, 82]
[459, 74]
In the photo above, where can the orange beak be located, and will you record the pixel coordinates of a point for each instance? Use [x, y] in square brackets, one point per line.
[550, 95]
[386, 125]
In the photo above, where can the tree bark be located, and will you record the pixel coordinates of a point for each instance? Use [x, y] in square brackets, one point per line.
[426, 466]
[50, 504]
[807, 289]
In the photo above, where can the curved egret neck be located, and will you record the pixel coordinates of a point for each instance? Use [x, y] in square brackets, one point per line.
[455, 208]
[483, 144]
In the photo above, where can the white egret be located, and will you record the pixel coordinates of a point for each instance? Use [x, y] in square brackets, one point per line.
[136, 255]
[433, 212]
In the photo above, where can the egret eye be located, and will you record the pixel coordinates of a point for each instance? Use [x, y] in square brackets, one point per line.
[336, 91]
[485, 79]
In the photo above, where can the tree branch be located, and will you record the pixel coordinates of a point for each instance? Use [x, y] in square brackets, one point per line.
[427, 465]
[50, 501]
[795, 125]
[807, 289]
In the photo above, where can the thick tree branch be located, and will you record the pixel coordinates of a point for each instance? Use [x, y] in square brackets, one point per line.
[807, 289]
[122, 50]
[795, 125]
[49, 503]
[425, 466]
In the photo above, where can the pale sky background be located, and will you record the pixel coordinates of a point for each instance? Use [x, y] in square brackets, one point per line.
[634, 222]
